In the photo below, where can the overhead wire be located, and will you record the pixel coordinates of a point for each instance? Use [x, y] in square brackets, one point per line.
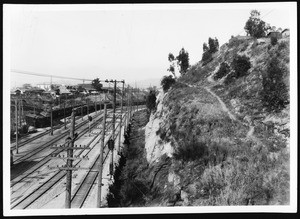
[47, 75]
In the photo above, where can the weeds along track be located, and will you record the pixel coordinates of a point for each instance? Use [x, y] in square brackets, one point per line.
[47, 132]
[31, 196]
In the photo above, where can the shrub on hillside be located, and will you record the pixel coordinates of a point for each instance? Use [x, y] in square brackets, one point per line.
[240, 65]
[151, 100]
[190, 151]
[223, 70]
[274, 94]
[274, 40]
[206, 57]
[167, 82]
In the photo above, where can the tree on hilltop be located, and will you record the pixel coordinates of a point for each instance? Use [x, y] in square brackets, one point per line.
[183, 61]
[256, 27]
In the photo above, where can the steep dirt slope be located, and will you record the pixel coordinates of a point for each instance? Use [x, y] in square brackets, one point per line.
[225, 147]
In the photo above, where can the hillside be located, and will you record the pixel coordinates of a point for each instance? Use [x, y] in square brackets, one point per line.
[215, 138]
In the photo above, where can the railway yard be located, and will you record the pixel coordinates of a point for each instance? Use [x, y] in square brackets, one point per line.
[38, 178]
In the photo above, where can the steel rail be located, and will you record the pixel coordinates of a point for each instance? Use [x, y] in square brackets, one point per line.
[46, 186]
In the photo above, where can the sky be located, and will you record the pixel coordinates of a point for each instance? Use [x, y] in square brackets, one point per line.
[129, 42]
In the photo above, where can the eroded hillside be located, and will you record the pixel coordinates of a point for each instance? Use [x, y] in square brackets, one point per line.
[213, 141]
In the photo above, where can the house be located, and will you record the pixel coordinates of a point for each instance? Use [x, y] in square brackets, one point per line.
[285, 33]
[63, 90]
[44, 86]
[107, 90]
[34, 91]
[88, 87]
[276, 34]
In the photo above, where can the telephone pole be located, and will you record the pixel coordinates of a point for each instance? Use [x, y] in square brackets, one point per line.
[16, 108]
[51, 118]
[101, 159]
[121, 114]
[112, 143]
[69, 146]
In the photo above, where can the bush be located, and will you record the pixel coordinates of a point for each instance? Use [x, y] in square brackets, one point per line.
[190, 151]
[223, 70]
[274, 94]
[273, 40]
[167, 82]
[151, 100]
[241, 64]
[206, 57]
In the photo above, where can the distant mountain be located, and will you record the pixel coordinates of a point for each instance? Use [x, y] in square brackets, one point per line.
[146, 83]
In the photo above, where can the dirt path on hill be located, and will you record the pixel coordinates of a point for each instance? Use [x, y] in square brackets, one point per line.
[223, 105]
[250, 134]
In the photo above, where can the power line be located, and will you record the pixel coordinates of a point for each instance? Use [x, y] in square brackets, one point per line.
[47, 75]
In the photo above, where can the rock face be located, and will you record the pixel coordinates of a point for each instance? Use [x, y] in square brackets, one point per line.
[155, 147]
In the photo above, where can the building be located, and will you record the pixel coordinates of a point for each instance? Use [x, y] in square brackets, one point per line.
[285, 33]
[88, 87]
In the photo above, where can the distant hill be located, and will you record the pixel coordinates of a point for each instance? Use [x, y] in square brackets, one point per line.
[146, 83]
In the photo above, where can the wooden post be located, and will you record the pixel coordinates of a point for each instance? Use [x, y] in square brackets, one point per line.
[20, 122]
[69, 162]
[65, 115]
[119, 145]
[16, 108]
[51, 118]
[96, 105]
[81, 110]
[87, 105]
[23, 119]
[101, 159]
[113, 127]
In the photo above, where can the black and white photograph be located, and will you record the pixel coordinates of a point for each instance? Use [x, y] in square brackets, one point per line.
[149, 108]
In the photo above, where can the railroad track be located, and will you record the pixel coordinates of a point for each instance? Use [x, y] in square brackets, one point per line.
[82, 191]
[28, 199]
[47, 158]
[31, 139]
[55, 139]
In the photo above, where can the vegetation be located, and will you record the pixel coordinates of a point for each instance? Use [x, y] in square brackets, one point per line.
[240, 65]
[167, 82]
[213, 46]
[96, 84]
[256, 27]
[274, 94]
[223, 71]
[151, 100]
[182, 62]
[171, 59]
[274, 40]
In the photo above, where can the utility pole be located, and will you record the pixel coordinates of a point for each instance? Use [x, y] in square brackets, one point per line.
[20, 122]
[69, 146]
[81, 110]
[70, 161]
[101, 159]
[16, 108]
[87, 105]
[113, 128]
[65, 115]
[121, 114]
[51, 118]
[96, 105]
